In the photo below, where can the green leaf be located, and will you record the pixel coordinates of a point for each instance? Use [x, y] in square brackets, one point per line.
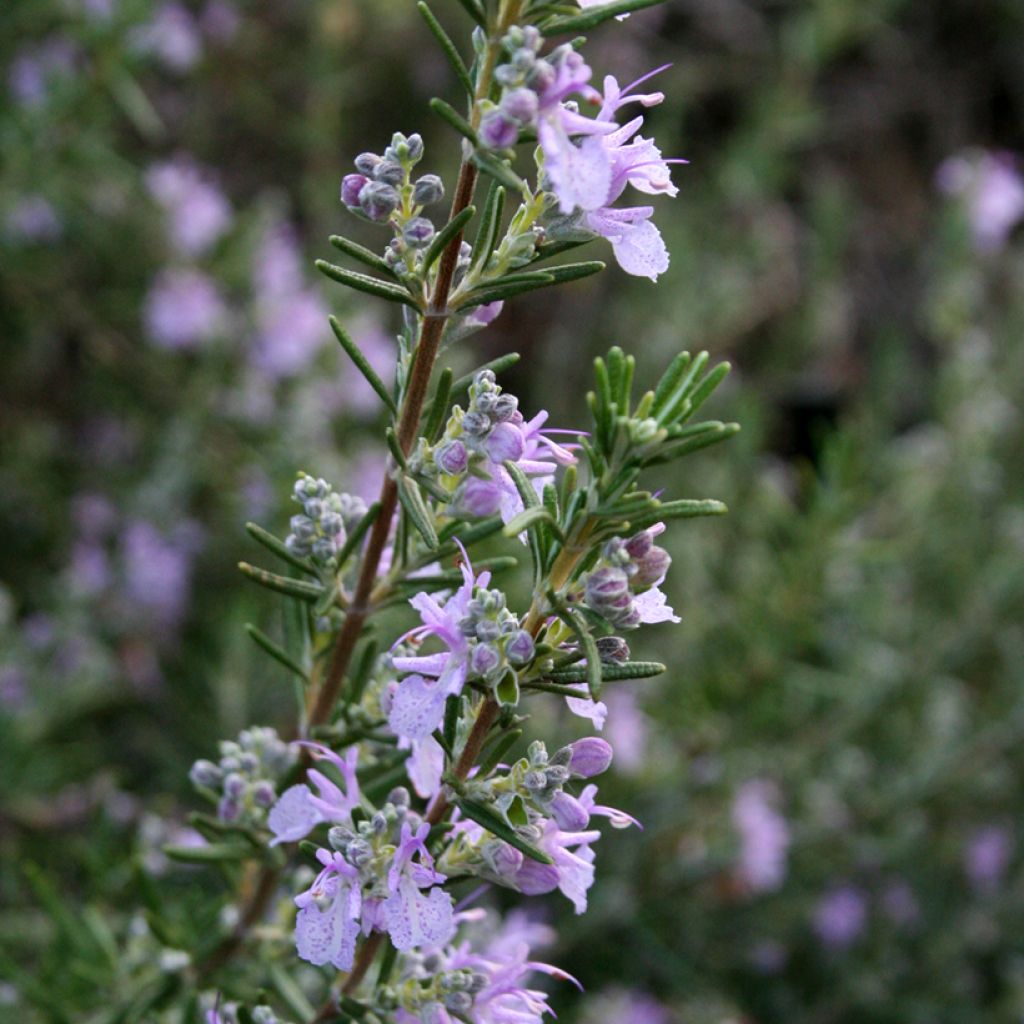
[452, 710]
[364, 283]
[670, 451]
[703, 391]
[575, 271]
[502, 290]
[290, 993]
[496, 749]
[588, 645]
[523, 485]
[446, 235]
[311, 592]
[675, 405]
[439, 406]
[490, 224]
[211, 853]
[497, 826]
[421, 516]
[682, 509]
[356, 535]
[456, 120]
[362, 365]
[529, 518]
[609, 673]
[547, 250]
[395, 448]
[594, 16]
[448, 47]
[669, 381]
[506, 693]
[499, 170]
[278, 547]
[474, 9]
[277, 653]
[358, 252]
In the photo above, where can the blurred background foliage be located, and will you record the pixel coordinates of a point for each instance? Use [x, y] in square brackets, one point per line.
[830, 775]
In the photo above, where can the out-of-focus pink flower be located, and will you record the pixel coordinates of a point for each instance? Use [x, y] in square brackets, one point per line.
[840, 916]
[987, 856]
[764, 836]
[183, 309]
[992, 188]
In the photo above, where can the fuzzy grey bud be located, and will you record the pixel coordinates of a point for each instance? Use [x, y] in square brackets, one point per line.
[484, 659]
[428, 189]
[520, 648]
[378, 200]
[613, 650]
[418, 232]
[205, 773]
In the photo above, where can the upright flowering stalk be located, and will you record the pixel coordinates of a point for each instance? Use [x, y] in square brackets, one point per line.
[410, 784]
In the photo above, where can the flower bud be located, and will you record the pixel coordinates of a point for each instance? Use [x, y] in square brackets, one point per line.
[351, 186]
[314, 508]
[535, 781]
[303, 527]
[638, 545]
[389, 172]
[428, 189]
[476, 424]
[263, 794]
[323, 549]
[205, 773]
[652, 568]
[339, 837]
[234, 785]
[298, 546]
[366, 163]
[520, 105]
[484, 659]
[569, 814]
[451, 458]
[606, 588]
[487, 630]
[229, 809]
[378, 200]
[399, 796]
[505, 408]
[504, 443]
[590, 756]
[612, 650]
[418, 232]
[520, 648]
[459, 1003]
[497, 131]
[332, 524]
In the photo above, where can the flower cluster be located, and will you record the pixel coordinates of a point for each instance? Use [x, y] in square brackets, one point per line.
[319, 531]
[624, 586]
[377, 875]
[246, 775]
[468, 461]
[482, 984]
[587, 162]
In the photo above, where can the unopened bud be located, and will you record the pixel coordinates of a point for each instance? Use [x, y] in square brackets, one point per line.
[351, 186]
[569, 814]
[451, 458]
[418, 232]
[428, 189]
[520, 648]
[378, 200]
[590, 756]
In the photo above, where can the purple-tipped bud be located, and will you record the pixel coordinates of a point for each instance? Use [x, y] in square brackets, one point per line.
[505, 443]
[234, 785]
[378, 200]
[428, 189]
[263, 794]
[484, 659]
[205, 773]
[613, 650]
[389, 172]
[229, 809]
[505, 407]
[520, 648]
[652, 568]
[418, 232]
[520, 106]
[638, 546]
[366, 163]
[569, 814]
[590, 756]
[351, 186]
[497, 131]
[476, 424]
[479, 498]
[606, 588]
[452, 458]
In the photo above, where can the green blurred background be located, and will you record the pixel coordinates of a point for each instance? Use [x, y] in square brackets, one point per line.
[830, 775]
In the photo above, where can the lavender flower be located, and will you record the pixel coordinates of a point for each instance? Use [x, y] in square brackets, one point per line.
[840, 917]
[33, 219]
[764, 836]
[297, 812]
[197, 212]
[34, 70]
[992, 187]
[171, 36]
[184, 310]
[157, 569]
[987, 856]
